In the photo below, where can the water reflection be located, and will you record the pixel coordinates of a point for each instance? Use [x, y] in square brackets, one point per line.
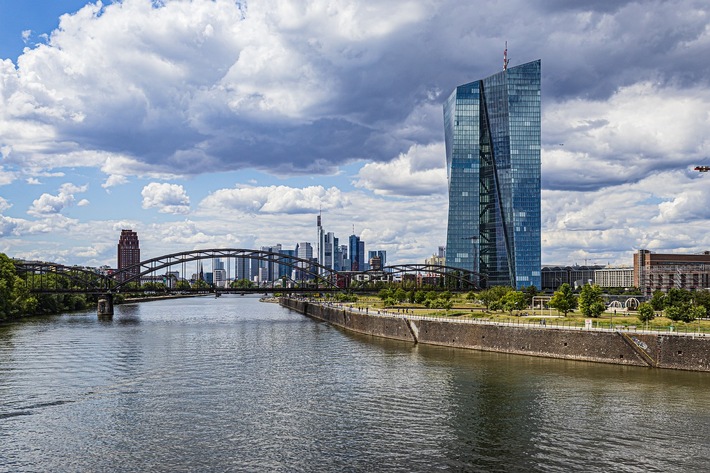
[231, 384]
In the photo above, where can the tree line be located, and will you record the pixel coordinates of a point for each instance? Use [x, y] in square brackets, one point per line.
[16, 300]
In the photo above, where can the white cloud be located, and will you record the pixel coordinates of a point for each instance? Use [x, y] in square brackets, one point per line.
[4, 204]
[33, 181]
[421, 171]
[641, 129]
[48, 204]
[275, 199]
[167, 198]
[114, 180]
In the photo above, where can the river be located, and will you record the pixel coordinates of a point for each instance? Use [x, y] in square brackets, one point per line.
[234, 384]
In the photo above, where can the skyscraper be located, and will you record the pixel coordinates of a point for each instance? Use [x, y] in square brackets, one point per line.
[129, 252]
[492, 133]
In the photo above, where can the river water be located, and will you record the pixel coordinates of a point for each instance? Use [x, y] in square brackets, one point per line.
[233, 384]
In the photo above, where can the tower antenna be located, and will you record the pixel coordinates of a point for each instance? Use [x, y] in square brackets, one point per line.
[505, 57]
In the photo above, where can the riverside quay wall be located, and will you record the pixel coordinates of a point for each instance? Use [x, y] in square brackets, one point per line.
[673, 351]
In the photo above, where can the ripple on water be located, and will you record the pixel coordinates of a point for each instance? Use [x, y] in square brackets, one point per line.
[231, 384]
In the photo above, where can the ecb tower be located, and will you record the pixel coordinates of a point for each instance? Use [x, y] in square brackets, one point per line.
[492, 132]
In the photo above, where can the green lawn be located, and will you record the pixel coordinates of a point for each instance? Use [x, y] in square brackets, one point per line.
[463, 309]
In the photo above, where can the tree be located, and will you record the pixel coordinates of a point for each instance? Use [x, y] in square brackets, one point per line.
[694, 312]
[678, 297]
[646, 312]
[7, 286]
[674, 312]
[564, 299]
[200, 284]
[658, 300]
[591, 303]
[242, 284]
[494, 294]
[530, 292]
[514, 300]
[400, 295]
[182, 285]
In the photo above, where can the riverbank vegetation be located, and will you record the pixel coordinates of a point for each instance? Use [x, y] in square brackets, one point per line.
[16, 300]
[679, 310]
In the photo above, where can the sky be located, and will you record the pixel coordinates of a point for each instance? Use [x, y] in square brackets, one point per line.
[231, 124]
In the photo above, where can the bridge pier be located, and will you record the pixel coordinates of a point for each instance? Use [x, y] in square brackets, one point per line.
[105, 307]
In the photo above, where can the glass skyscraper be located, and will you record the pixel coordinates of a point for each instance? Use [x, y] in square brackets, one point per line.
[492, 131]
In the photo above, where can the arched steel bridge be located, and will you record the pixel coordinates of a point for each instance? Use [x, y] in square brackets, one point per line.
[314, 276]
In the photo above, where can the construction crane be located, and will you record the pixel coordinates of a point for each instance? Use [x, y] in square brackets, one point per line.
[701, 168]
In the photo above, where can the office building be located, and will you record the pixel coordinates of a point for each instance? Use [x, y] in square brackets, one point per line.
[661, 272]
[621, 276]
[576, 276]
[492, 137]
[129, 253]
[356, 252]
[219, 274]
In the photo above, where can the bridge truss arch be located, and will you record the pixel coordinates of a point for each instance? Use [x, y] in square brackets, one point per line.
[325, 277]
[71, 278]
[465, 279]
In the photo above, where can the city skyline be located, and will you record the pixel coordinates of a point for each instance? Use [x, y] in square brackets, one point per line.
[204, 124]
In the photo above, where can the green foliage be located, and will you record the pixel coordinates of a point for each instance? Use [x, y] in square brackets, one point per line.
[419, 297]
[242, 284]
[678, 297]
[564, 299]
[513, 300]
[400, 295]
[675, 313]
[200, 284]
[182, 285]
[342, 297]
[492, 295]
[530, 292]
[658, 300]
[591, 303]
[646, 312]
[695, 312]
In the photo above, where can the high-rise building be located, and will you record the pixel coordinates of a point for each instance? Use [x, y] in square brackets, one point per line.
[304, 250]
[129, 253]
[219, 274]
[356, 259]
[320, 244]
[492, 135]
[381, 254]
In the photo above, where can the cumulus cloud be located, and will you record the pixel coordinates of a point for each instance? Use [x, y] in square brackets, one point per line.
[141, 89]
[48, 204]
[421, 171]
[167, 198]
[275, 199]
[640, 130]
[4, 204]
[186, 87]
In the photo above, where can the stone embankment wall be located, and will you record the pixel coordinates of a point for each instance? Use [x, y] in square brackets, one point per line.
[628, 348]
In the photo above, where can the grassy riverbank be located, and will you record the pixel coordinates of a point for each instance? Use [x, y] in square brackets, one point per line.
[464, 309]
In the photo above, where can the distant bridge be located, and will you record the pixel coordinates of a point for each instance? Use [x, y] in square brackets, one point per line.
[42, 277]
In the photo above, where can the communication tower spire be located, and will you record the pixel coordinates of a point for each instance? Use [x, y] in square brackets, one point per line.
[505, 57]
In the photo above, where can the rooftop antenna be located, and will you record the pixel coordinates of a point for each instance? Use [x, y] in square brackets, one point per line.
[505, 57]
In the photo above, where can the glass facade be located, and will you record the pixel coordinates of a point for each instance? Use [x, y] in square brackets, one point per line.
[492, 133]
